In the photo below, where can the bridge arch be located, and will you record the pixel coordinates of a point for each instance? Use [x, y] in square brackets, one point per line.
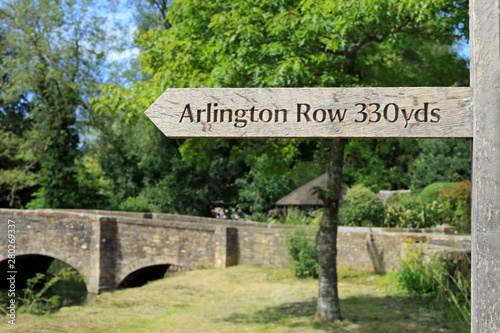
[136, 270]
[26, 267]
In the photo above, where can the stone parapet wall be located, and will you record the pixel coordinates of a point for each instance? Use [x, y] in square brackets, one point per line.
[106, 246]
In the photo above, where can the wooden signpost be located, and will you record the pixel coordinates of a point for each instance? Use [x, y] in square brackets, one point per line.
[378, 113]
[314, 113]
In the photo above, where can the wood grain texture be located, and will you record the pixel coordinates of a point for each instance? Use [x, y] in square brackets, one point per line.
[485, 84]
[314, 113]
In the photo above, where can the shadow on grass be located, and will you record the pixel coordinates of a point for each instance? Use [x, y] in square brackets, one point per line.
[361, 314]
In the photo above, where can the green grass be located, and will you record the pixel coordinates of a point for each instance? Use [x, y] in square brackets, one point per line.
[246, 299]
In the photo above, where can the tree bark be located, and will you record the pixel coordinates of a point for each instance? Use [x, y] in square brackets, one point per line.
[328, 308]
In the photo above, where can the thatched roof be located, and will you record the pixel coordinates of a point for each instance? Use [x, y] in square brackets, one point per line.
[304, 194]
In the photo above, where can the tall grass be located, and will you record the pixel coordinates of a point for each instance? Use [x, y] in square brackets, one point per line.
[440, 278]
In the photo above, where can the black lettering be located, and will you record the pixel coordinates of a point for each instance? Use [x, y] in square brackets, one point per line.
[323, 117]
[215, 113]
[277, 112]
[406, 116]
[396, 112]
[379, 115]
[437, 116]
[337, 114]
[189, 115]
[252, 111]
[424, 111]
[198, 113]
[299, 107]
[228, 111]
[209, 111]
[362, 112]
[270, 115]
[239, 118]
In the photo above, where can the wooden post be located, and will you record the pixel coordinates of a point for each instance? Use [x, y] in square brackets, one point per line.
[485, 84]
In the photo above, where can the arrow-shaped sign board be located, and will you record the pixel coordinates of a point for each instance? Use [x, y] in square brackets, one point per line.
[313, 113]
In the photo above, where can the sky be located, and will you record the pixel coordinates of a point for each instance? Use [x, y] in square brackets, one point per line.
[124, 20]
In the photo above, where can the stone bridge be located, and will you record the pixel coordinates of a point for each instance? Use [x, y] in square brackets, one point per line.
[116, 249]
[107, 247]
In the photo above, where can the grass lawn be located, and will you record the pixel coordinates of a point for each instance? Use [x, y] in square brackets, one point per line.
[246, 299]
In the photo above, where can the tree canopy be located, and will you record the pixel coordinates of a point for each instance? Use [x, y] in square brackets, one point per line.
[49, 70]
[294, 44]
[55, 146]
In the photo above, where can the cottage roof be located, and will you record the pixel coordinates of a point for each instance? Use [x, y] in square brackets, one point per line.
[304, 194]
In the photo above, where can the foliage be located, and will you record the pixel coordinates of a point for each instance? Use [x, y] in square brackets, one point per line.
[287, 44]
[459, 200]
[36, 301]
[49, 67]
[137, 204]
[439, 278]
[391, 164]
[431, 192]
[398, 216]
[408, 200]
[458, 292]
[444, 160]
[361, 207]
[303, 252]
[18, 176]
[260, 217]
[420, 276]
[381, 164]
[50, 136]
[437, 204]
[258, 193]
[140, 162]
[296, 217]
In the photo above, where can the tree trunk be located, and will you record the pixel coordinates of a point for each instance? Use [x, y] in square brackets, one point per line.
[326, 239]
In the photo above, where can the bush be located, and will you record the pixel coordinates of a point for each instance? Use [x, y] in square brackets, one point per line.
[431, 192]
[137, 204]
[450, 206]
[361, 207]
[459, 200]
[40, 301]
[295, 217]
[408, 200]
[399, 216]
[304, 253]
[260, 217]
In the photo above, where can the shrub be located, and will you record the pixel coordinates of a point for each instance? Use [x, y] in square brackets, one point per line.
[137, 204]
[451, 205]
[294, 217]
[304, 253]
[361, 207]
[260, 217]
[37, 300]
[431, 192]
[398, 216]
[408, 200]
[459, 201]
